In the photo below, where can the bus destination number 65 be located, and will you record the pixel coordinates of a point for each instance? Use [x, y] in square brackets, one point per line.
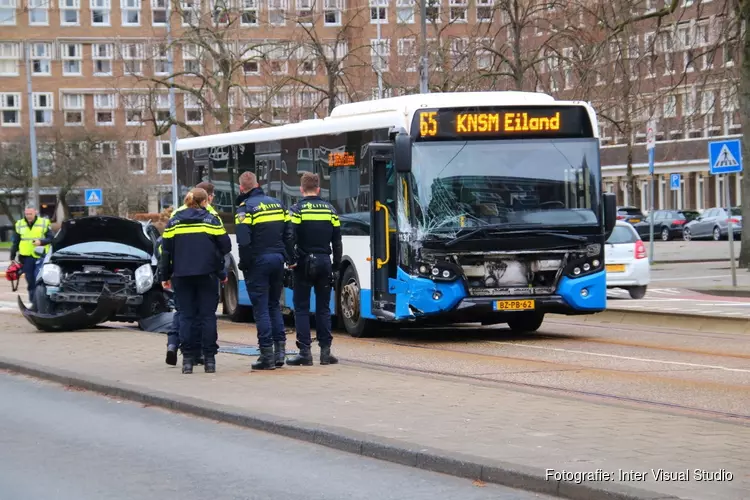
[428, 124]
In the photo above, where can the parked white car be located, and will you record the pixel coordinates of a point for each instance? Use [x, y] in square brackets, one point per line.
[626, 261]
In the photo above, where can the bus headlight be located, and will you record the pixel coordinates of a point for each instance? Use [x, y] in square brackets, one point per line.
[438, 271]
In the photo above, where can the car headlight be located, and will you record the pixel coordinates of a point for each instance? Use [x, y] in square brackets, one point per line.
[144, 278]
[51, 274]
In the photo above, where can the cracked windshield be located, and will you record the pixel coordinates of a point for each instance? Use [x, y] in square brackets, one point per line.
[515, 183]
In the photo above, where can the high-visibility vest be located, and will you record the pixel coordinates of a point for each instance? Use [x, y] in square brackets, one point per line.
[29, 234]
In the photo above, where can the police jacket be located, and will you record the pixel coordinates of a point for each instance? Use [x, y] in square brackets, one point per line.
[209, 208]
[316, 228]
[262, 227]
[26, 232]
[194, 243]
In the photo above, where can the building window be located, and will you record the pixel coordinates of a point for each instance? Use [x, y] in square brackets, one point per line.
[161, 59]
[379, 52]
[70, 12]
[10, 54]
[43, 108]
[72, 57]
[254, 104]
[104, 108]
[162, 114]
[407, 54]
[100, 12]
[277, 10]
[332, 10]
[132, 58]
[249, 13]
[484, 59]
[405, 11]
[73, 105]
[193, 111]
[387, 92]
[10, 109]
[305, 12]
[191, 59]
[136, 153]
[250, 57]
[41, 58]
[458, 11]
[220, 12]
[159, 12]
[135, 106]
[131, 12]
[278, 59]
[433, 11]
[281, 104]
[102, 54]
[460, 54]
[8, 12]
[688, 103]
[670, 106]
[484, 11]
[39, 12]
[164, 154]
[306, 60]
[567, 64]
[378, 11]
[190, 11]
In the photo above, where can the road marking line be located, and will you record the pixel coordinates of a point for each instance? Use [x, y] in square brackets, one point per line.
[630, 358]
[691, 279]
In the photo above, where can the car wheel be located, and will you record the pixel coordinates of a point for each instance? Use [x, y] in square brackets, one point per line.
[717, 233]
[230, 299]
[637, 292]
[43, 304]
[686, 235]
[154, 302]
[350, 307]
[526, 322]
[665, 236]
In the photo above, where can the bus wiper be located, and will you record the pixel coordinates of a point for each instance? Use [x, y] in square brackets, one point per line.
[523, 231]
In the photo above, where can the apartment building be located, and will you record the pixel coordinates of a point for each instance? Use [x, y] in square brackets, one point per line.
[93, 64]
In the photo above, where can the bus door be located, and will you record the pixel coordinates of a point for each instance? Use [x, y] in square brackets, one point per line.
[383, 230]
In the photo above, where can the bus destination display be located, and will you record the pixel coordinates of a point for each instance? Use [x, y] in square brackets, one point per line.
[341, 159]
[536, 122]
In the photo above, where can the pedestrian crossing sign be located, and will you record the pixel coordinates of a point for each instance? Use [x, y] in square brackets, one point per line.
[93, 197]
[725, 157]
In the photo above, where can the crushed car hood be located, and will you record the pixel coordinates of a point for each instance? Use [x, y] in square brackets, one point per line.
[101, 228]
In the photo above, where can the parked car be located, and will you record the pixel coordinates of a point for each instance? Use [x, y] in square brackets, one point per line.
[99, 269]
[714, 223]
[668, 224]
[625, 261]
[632, 215]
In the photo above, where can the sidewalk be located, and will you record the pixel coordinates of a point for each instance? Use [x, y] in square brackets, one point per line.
[480, 431]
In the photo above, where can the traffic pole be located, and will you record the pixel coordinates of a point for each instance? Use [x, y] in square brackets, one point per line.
[651, 203]
[730, 231]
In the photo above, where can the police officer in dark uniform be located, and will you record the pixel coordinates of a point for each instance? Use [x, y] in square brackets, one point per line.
[193, 250]
[317, 231]
[264, 238]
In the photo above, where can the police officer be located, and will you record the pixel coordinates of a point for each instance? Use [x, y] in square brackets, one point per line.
[264, 238]
[30, 232]
[317, 231]
[173, 337]
[193, 250]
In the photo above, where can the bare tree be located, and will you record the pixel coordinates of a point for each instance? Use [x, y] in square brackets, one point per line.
[15, 171]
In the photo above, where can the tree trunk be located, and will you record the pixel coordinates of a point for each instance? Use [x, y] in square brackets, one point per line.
[332, 75]
[62, 198]
[5, 209]
[630, 185]
[744, 103]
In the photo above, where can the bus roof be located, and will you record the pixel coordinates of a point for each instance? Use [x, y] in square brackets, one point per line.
[393, 112]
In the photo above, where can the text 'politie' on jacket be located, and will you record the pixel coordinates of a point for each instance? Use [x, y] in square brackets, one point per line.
[194, 243]
[262, 226]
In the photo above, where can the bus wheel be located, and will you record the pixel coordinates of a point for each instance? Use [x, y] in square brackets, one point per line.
[526, 322]
[230, 302]
[350, 307]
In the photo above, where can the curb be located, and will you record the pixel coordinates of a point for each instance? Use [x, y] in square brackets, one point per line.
[693, 261]
[390, 450]
[669, 319]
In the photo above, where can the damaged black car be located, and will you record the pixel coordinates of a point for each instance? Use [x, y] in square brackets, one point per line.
[99, 269]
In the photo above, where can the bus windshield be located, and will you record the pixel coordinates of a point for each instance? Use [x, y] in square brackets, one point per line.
[462, 184]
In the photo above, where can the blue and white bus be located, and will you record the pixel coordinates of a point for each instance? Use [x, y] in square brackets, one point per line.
[479, 207]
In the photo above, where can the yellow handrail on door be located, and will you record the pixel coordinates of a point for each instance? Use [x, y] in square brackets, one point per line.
[378, 207]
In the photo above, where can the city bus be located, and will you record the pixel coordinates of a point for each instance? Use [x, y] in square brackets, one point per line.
[477, 207]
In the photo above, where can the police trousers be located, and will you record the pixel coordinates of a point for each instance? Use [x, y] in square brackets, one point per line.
[197, 300]
[321, 283]
[173, 337]
[264, 281]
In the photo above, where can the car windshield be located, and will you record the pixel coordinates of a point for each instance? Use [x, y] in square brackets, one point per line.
[687, 215]
[524, 182]
[629, 211]
[104, 247]
[622, 234]
[736, 211]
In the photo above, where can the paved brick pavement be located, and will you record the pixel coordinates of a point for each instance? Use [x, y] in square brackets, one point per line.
[495, 423]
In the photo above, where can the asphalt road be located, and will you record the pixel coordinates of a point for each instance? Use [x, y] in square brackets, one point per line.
[72, 445]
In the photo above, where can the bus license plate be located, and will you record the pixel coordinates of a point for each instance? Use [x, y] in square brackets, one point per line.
[615, 268]
[514, 305]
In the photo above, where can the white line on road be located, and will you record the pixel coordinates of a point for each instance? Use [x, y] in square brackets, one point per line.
[629, 358]
[692, 278]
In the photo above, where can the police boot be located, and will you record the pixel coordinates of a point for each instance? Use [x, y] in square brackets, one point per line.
[279, 353]
[326, 358]
[265, 360]
[187, 365]
[209, 364]
[171, 355]
[304, 358]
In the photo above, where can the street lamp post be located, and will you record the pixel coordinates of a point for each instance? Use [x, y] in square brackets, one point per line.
[172, 109]
[32, 130]
[424, 66]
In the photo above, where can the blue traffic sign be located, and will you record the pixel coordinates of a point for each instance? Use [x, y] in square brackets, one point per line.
[725, 157]
[674, 182]
[93, 197]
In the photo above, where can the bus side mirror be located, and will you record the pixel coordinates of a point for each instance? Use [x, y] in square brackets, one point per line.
[610, 213]
[402, 153]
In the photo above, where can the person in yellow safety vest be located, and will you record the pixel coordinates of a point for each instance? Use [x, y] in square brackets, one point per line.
[30, 232]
